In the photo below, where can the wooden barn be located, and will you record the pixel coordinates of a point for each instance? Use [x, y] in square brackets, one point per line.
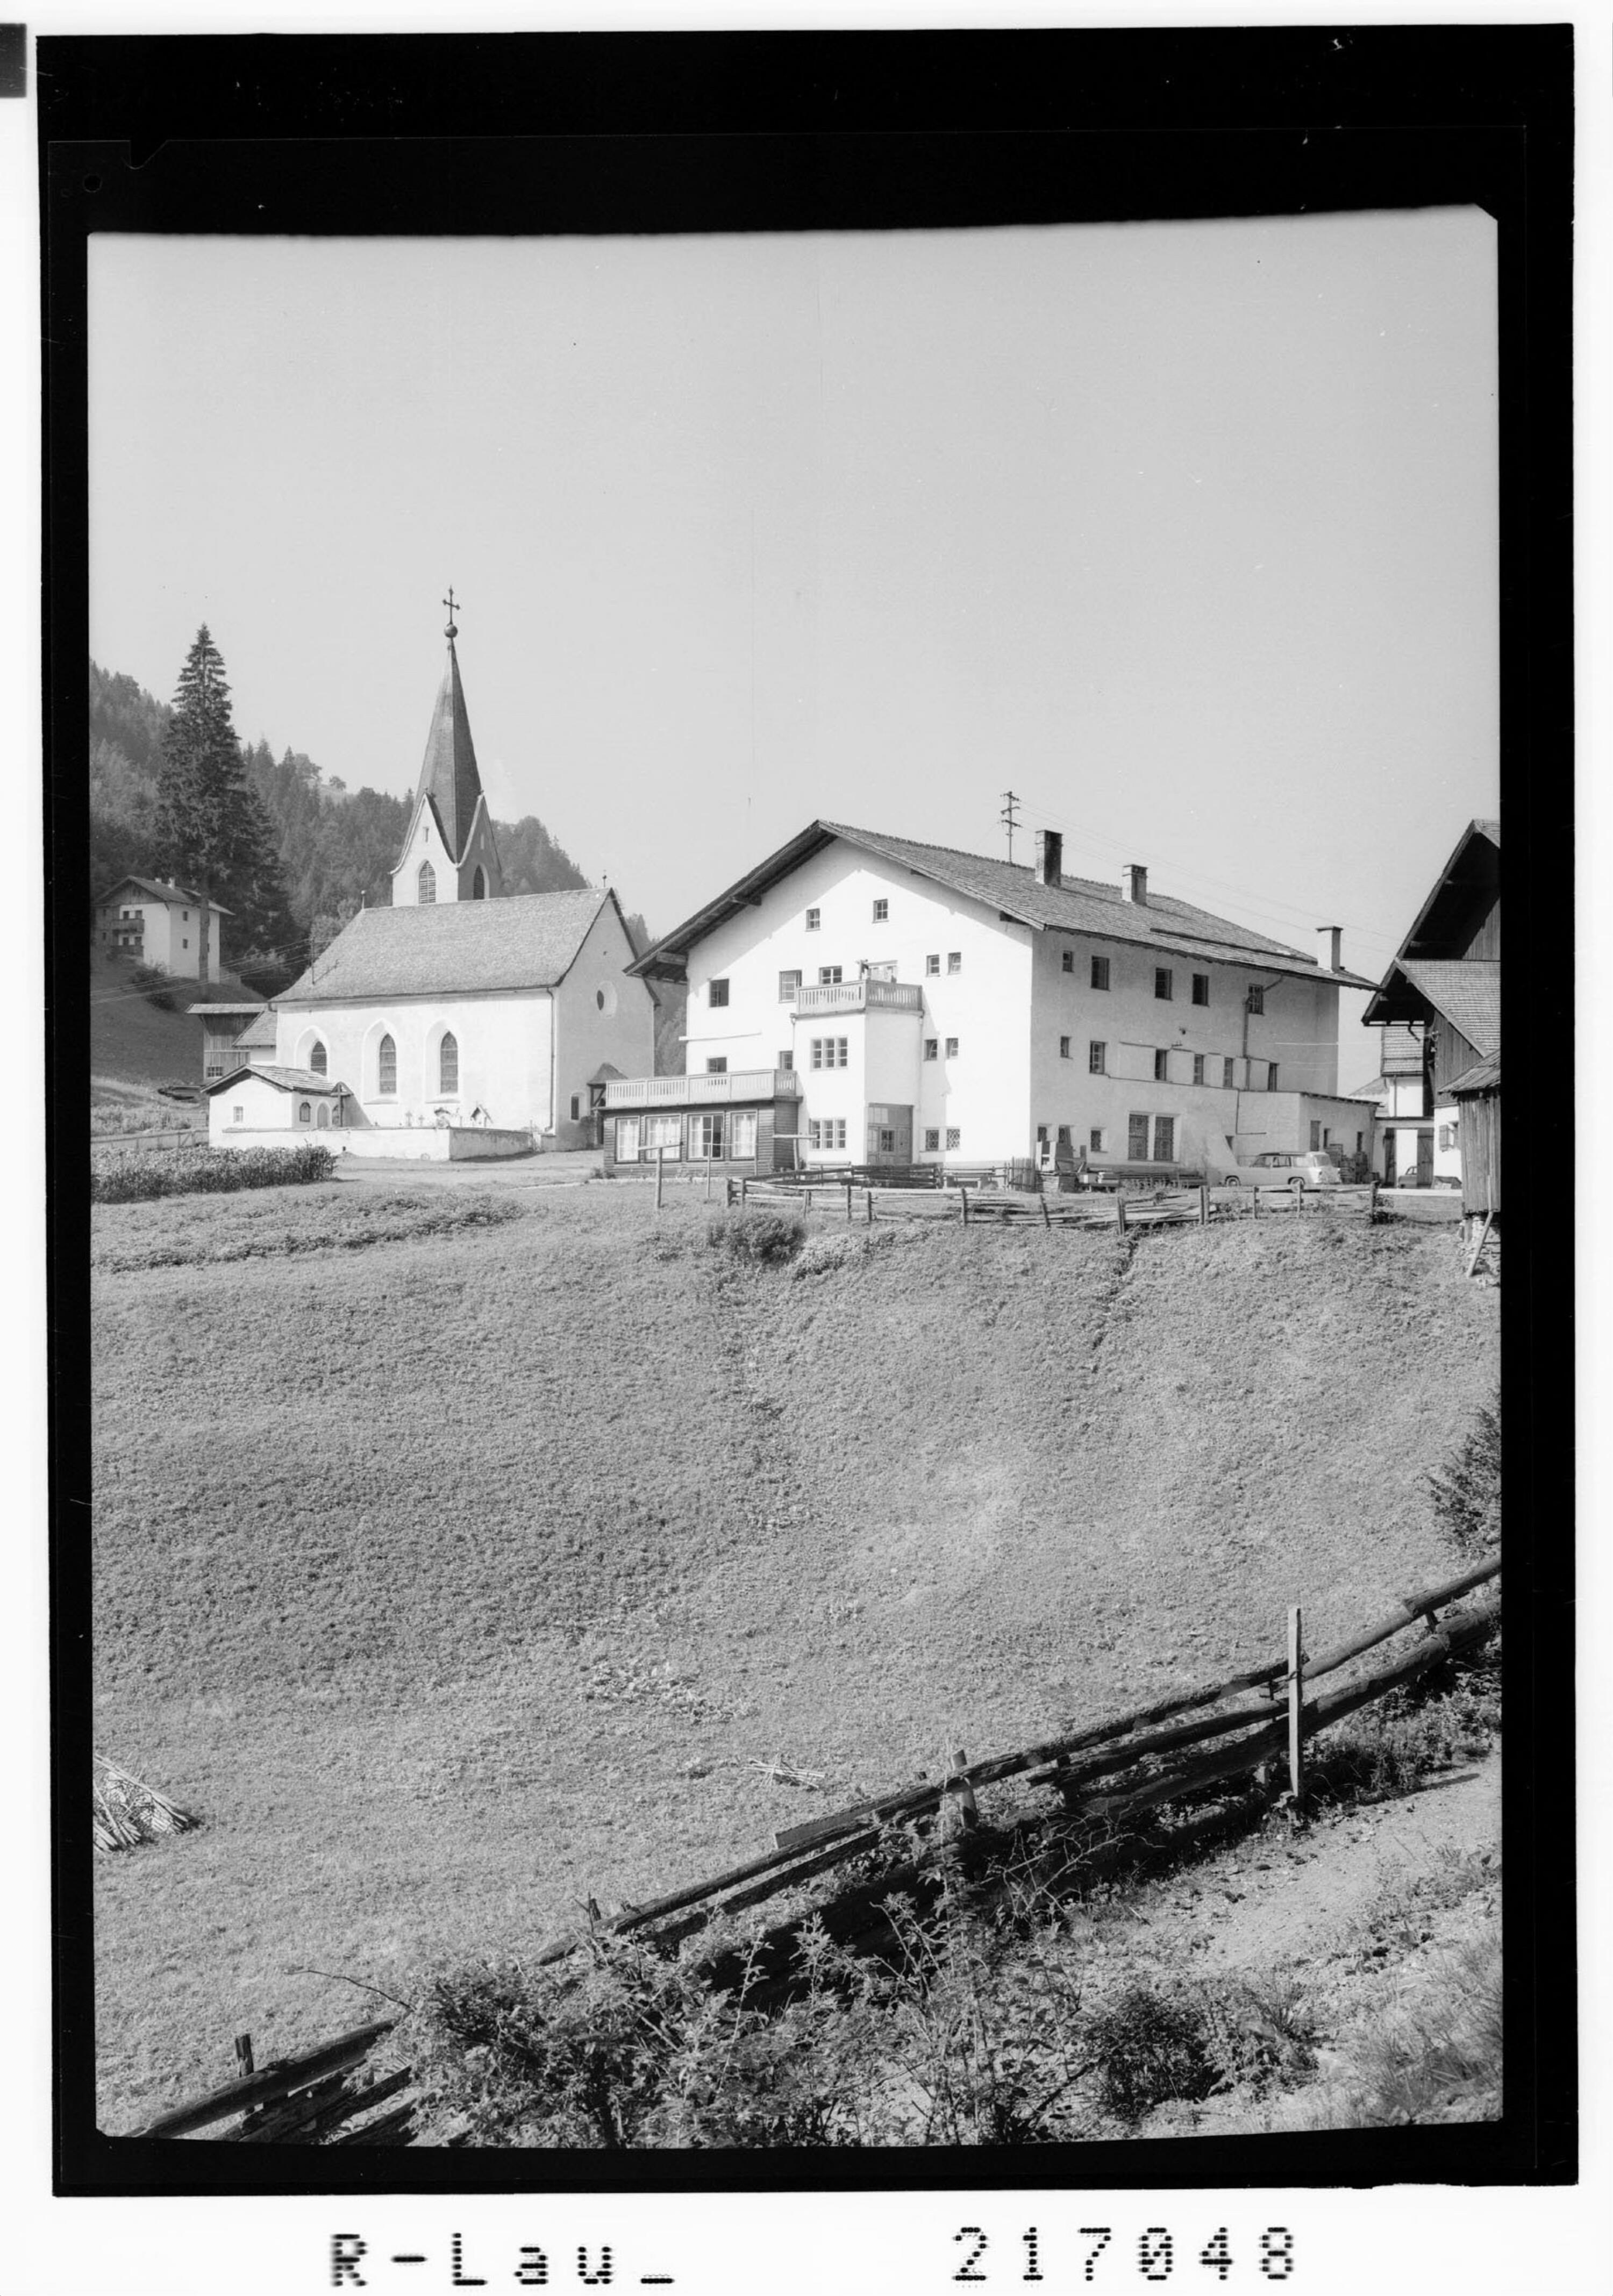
[1477, 1093]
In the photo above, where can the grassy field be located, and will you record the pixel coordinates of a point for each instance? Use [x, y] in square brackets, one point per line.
[462, 1553]
[136, 1046]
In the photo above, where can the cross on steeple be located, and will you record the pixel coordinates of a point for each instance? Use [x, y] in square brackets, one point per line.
[451, 602]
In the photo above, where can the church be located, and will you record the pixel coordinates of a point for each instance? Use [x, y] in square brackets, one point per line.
[460, 1021]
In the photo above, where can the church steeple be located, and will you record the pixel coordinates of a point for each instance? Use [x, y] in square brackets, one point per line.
[464, 864]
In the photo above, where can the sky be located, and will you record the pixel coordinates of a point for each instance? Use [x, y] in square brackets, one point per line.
[1186, 533]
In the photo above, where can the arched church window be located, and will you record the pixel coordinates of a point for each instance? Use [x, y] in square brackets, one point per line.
[448, 1064]
[322, 1123]
[305, 1114]
[427, 884]
[317, 1059]
[386, 1066]
[479, 884]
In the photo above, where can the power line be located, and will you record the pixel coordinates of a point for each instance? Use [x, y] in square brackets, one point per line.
[1009, 818]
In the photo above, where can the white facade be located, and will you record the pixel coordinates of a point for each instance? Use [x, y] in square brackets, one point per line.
[165, 934]
[515, 1059]
[252, 1110]
[996, 1037]
[428, 872]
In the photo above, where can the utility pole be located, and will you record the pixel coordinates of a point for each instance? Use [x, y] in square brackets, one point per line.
[1010, 818]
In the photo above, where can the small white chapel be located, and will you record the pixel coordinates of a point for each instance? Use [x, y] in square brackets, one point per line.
[460, 1021]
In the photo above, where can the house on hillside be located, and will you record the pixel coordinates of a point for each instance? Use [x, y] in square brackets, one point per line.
[166, 926]
[1443, 990]
[860, 999]
[461, 1020]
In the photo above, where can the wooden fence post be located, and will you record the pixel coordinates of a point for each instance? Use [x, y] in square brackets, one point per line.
[1296, 1702]
[963, 1203]
[848, 1203]
[244, 2052]
[1254, 1198]
[660, 1159]
[1120, 1206]
[1204, 1203]
[728, 1187]
[959, 1816]
[868, 1211]
[1047, 1217]
[744, 1184]
[709, 1176]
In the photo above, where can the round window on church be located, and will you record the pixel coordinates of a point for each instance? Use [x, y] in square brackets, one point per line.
[605, 998]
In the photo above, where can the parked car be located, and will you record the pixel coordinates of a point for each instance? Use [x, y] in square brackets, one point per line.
[1277, 1168]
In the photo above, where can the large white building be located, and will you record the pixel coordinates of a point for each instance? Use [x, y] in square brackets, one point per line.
[167, 927]
[460, 1020]
[861, 999]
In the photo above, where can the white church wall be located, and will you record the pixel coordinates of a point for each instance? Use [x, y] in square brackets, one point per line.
[503, 1040]
[602, 1014]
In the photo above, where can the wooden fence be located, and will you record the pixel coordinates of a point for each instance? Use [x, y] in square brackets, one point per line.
[303, 2099]
[193, 1135]
[1270, 1728]
[1121, 1209]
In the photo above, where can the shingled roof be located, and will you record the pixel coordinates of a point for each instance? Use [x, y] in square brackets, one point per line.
[285, 1079]
[449, 775]
[526, 940]
[1465, 991]
[156, 889]
[1074, 904]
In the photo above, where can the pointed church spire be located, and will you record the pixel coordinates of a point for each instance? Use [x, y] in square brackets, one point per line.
[449, 775]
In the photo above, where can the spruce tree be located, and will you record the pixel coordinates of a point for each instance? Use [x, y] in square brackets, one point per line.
[213, 832]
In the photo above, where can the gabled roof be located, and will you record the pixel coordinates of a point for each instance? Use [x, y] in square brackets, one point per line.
[258, 1005]
[155, 888]
[258, 1032]
[282, 1079]
[449, 773]
[525, 940]
[1465, 991]
[1076, 904]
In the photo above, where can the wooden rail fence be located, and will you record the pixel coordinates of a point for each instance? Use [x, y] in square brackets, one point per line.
[303, 2099]
[1122, 1209]
[1272, 1728]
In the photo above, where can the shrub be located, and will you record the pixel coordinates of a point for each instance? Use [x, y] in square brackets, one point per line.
[1151, 2049]
[767, 1238]
[141, 1177]
[155, 982]
[1466, 1490]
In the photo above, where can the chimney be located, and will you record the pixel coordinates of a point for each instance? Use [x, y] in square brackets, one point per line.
[1050, 856]
[1134, 884]
[1336, 961]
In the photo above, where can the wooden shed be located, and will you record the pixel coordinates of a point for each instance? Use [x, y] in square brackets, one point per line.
[1476, 1092]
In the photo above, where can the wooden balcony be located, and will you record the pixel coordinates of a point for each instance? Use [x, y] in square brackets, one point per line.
[860, 996]
[733, 1086]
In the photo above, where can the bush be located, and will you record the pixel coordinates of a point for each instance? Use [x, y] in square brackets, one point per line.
[1152, 2050]
[141, 1177]
[1467, 1490]
[767, 1238]
[155, 982]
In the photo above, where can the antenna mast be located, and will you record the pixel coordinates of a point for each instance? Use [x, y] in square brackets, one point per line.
[1010, 818]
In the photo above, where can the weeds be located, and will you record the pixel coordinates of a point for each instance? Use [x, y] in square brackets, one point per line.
[1153, 2049]
[1466, 1491]
[764, 1238]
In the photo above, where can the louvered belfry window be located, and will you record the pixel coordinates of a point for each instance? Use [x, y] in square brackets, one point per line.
[448, 1065]
[427, 884]
[385, 1065]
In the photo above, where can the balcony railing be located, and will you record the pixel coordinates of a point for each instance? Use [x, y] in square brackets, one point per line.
[702, 1090]
[860, 996]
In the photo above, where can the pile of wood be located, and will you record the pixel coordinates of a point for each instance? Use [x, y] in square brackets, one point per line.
[303, 2099]
[124, 1813]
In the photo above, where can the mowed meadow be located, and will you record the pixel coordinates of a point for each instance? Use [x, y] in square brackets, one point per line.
[464, 1551]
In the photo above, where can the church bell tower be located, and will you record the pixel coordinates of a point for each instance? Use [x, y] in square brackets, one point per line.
[449, 853]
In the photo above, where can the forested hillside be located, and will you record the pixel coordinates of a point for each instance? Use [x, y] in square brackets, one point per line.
[336, 846]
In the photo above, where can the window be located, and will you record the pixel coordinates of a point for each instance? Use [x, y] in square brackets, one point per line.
[789, 988]
[932, 965]
[1165, 1139]
[1228, 1070]
[1163, 981]
[238, 1116]
[1100, 972]
[1094, 1140]
[305, 1114]
[184, 916]
[1271, 1077]
[814, 918]
[954, 960]
[787, 1061]
[479, 884]
[666, 1133]
[1068, 960]
[932, 1048]
[717, 1065]
[1201, 988]
[951, 1048]
[1161, 1067]
[184, 944]
[1064, 1049]
[426, 882]
[386, 1067]
[1097, 1059]
[882, 912]
[448, 1065]
[829, 1052]
[576, 1106]
[829, 1132]
[317, 1060]
[829, 976]
[888, 1140]
[932, 1139]
[706, 1135]
[741, 1133]
[954, 1138]
[627, 1139]
[1137, 1139]
[717, 994]
[215, 1068]
[1257, 998]
[1316, 1137]
[1198, 1068]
